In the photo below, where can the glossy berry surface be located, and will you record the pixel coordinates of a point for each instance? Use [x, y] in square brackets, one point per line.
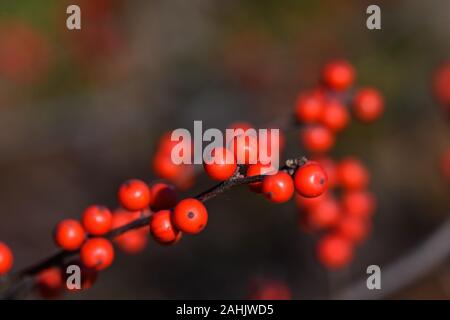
[338, 75]
[190, 216]
[164, 196]
[162, 228]
[368, 105]
[256, 170]
[134, 195]
[97, 253]
[69, 234]
[310, 180]
[278, 187]
[97, 220]
[221, 166]
[334, 251]
[6, 259]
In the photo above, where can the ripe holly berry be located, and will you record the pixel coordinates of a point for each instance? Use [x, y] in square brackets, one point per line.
[324, 215]
[164, 196]
[97, 253]
[221, 166]
[310, 180]
[69, 234]
[309, 106]
[133, 241]
[134, 195]
[49, 282]
[330, 168]
[190, 216]
[334, 251]
[358, 203]
[352, 174]
[278, 187]
[334, 116]
[256, 170]
[354, 229]
[6, 259]
[162, 228]
[317, 138]
[97, 220]
[245, 149]
[368, 105]
[441, 84]
[338, 75]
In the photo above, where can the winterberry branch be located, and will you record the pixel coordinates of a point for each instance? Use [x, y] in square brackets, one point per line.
[17, 280]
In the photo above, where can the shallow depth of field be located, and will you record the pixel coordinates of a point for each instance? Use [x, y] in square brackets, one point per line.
[82, 111]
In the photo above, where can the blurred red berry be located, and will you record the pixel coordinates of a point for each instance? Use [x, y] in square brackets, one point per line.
[338, 75]
[309, 203]
[164, 196]
[317, 139]
[49, 282]
[190, 216]
[278, 187]
[69, 234]
[134, 195]
[334, 251]
[88, 275]
[354, 229]
[330, 168]
[310, 180]
[256, 170]
[245, 149]
[334, 116]
[324, 215]
[221, 166]
[270, 290]
[6, 259]
[97, 253]
[358, 203]
[368, 105]
[162, 228]
[133, 241]
[441, 84]
[97, 220]
[352, 174]
[309, 107]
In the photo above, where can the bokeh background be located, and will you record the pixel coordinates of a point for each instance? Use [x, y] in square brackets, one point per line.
[80, 111]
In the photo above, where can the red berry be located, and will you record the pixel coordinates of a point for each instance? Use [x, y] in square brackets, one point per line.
[334, 116]
[445, 164]
[256, 170]
[133, 241]
[270, 290]
[309, 107]
[6, 259]
[330, 168]
[97, 220]
[190, 216]
[310, 180]
[368, 105]
[69, 234]
[352, 174]
[97, 253]
[278, 187]
[221, 166]
[353, 228]
[309, 203]
[181, 175]
[324, 215]
[334, 251]
[164, 196]
[162, 229]
[338, 75]
[317, 138]
[50, 282]
[134, 195]
[245, 149]
[360, 204]
[441, 84]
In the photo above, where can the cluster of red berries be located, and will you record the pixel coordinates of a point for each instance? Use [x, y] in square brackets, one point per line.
[441, 89]
[343, 216]
[323, 111]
